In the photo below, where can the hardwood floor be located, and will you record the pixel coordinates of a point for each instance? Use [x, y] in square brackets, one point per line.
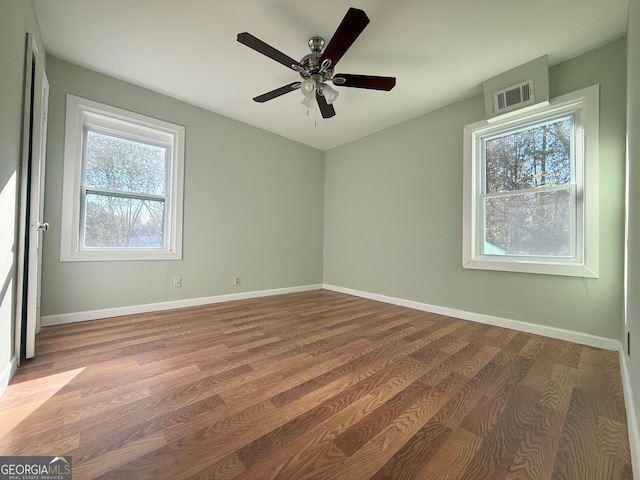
[316, 385]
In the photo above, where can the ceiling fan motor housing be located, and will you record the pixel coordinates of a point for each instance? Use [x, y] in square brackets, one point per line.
[311, 62]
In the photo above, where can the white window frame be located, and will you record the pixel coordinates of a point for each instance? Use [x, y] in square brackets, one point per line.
[81, 112]
[584, 262]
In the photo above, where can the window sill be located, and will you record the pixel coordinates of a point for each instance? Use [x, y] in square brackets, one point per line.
[118, 255]
[527, 266]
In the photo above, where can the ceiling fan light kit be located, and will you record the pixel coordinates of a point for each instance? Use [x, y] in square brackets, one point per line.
[316, 68]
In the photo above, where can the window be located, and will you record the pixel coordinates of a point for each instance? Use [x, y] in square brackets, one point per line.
[122, 192]
[531, 190]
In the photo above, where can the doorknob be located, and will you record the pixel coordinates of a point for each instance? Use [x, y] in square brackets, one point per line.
[43, 226]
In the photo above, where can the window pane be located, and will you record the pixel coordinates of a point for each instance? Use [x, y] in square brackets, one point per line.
[540, 155]
[118, 222]
[116, 163]
[528, 224]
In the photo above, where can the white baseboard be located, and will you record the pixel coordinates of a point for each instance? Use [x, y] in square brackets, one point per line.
[63, 318]
[632, 415]
[553, 332]
[7, 373]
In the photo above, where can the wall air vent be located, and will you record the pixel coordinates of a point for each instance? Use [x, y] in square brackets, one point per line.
[513, 97]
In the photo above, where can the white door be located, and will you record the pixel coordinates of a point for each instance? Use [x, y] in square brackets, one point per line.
[37, 224]
[31, 201]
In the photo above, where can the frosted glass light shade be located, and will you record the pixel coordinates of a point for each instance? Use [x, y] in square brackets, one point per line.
[330, 94]
[309, 102]
[308, 88]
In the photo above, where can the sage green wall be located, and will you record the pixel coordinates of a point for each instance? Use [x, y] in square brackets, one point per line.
[16, 19]
[633, 129]
[393, 214]
[253, 207]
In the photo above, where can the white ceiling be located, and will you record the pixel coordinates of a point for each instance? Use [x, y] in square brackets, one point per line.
[439, 50]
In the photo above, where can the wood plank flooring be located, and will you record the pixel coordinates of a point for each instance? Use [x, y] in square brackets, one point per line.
[316, 385]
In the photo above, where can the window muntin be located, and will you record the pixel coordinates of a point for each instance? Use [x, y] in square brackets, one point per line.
[538, 214]
[122, 193]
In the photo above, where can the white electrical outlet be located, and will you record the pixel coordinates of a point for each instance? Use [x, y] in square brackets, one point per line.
[236, 281]
[177, 282]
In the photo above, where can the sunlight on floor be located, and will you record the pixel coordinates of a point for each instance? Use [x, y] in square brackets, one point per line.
[20, 400]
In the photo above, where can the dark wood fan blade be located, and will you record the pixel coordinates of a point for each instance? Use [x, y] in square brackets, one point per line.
[266, 49]
[277, 92]
[326, 110]
[349, 29]
[364, 81]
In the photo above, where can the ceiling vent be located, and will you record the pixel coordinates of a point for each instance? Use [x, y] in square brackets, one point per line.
[513, 97]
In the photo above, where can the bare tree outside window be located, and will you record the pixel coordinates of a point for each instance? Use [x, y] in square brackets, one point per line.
[126, 187]
[527, 199]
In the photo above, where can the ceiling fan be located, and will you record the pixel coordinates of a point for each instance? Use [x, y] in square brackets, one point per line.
[316, 68]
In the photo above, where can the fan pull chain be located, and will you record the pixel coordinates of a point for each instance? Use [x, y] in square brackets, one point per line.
[315, 116]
